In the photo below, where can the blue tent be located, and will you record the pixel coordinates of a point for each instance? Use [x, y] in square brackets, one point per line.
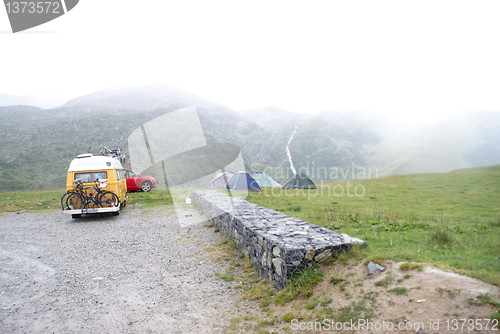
[242, 181]
[265, 180]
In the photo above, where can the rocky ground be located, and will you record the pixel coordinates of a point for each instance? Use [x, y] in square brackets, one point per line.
[424, 299]
[138, 272]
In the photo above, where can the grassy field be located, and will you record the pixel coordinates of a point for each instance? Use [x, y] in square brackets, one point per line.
[451, 220]
[30, 200]
[51, 200]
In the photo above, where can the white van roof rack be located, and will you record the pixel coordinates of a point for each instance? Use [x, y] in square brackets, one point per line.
[84, 155]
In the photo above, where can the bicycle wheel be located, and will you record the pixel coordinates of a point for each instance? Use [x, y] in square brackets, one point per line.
[75, 201]
[108, 199]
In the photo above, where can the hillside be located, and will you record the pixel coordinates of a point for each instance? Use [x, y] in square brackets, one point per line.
[329, 144]
[38, 144]
[127, 99]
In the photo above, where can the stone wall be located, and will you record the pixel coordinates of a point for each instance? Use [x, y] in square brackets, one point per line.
[278, 244]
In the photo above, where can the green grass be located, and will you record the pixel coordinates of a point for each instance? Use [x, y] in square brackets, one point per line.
[385, 281]
[450, 293]
[150, 199]
[343, 285]
[399, 291]
[484, 299]
[30, 200]
[43, 200]
[300, 286]
[355, 311]
[406, 266]
[451, 220]
[334, 280]
[288, 317]
[227, 278]
[312, 304]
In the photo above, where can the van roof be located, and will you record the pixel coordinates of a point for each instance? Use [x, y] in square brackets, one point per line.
[89, 162]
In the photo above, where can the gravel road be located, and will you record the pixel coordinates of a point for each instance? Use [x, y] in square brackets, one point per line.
[139, 272]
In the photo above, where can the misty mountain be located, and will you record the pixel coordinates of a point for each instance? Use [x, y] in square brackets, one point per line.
[278, 125]
[332, 142]
[468, 140]
[37, 145]
[129, 99]
[14, 100]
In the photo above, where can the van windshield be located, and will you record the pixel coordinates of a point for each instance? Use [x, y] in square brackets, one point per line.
[91, 177]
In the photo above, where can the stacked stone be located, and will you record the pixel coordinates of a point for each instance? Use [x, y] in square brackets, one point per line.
[279, 245]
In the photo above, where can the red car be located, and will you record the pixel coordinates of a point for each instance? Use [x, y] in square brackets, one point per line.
[138, 182]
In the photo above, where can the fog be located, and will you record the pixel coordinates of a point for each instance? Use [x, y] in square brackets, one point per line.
[412, 61]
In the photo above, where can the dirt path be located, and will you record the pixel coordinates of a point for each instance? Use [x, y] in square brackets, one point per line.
[139, 272]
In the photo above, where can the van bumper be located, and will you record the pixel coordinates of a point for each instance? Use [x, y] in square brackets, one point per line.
[91, 210]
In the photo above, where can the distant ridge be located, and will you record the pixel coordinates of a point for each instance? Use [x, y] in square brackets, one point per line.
[137, 98]
[38, 144]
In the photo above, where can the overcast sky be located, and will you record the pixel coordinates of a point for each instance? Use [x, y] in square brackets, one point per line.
[410, 58]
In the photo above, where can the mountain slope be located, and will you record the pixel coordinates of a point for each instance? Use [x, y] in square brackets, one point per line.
[329, 145]
[136, 98]
[37, 144]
